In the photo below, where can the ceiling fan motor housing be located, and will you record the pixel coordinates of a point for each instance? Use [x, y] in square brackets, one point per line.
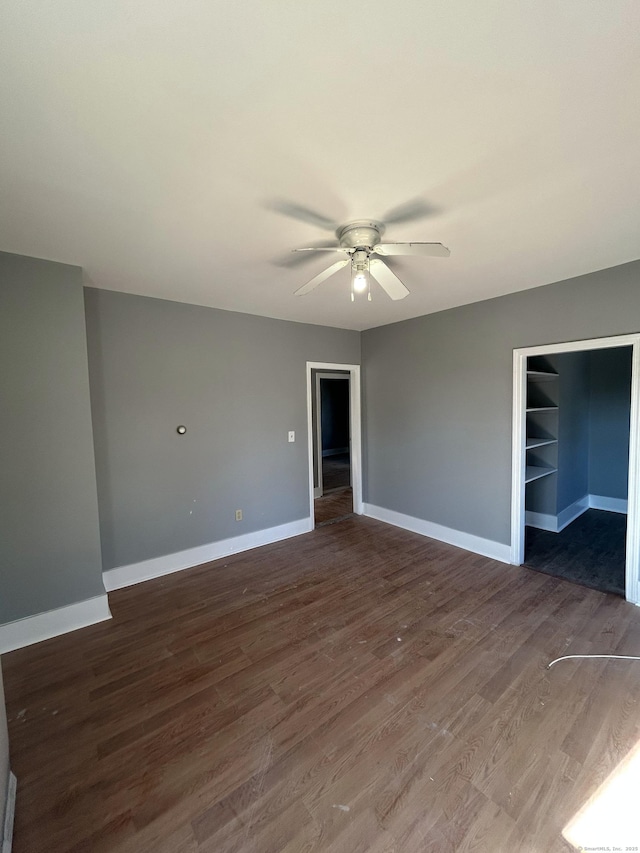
[363, 233]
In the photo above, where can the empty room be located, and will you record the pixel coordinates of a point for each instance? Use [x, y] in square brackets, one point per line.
[320, 427]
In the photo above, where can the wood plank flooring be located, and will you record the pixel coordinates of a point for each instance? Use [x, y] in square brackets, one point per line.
[359, 688]
[333, 505]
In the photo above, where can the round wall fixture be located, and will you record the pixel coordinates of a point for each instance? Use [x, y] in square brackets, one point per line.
[181, 430]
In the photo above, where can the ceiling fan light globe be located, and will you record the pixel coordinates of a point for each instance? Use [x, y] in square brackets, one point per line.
[360, 282]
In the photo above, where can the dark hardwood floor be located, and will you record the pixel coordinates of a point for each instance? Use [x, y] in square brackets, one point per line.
[333, 505]
[590, 551]
[336, 471]
[359, 688]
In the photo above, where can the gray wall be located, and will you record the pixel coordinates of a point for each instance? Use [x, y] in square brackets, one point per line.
[609, 414]
[49, 535]
[448, 458]
[237, 382]
[4, 755]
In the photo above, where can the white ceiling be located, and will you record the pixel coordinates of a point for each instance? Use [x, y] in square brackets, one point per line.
[145, 141]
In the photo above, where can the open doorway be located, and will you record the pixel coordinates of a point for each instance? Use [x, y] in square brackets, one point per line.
[578, 407]
[333, 495]
[575, 462]
[334, 441]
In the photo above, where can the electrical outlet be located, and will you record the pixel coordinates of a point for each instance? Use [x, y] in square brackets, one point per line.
[292, 435]
[238, 515]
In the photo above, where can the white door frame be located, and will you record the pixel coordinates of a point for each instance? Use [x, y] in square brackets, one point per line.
[520, 356]
[345, 377]
[355, 429]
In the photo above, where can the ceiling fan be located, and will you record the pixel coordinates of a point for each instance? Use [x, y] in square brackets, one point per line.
[360, 243]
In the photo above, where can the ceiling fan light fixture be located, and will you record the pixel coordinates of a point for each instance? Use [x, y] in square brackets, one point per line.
[360, 282]
[360, 244]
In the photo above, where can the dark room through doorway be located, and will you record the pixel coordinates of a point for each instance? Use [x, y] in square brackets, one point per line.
[333, 494]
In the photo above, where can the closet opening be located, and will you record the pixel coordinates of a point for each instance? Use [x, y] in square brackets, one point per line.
[575, 462]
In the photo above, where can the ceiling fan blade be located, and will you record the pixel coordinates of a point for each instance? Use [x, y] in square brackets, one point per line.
[291, 259]
[302, 214]
[416, 208]
[322, 249]
[435, 250]
[318, 279]
[387, 280]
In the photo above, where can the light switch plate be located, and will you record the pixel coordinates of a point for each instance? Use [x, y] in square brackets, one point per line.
[292, 435]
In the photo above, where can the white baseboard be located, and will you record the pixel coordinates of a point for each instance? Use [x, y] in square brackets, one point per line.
[123, 576]
[557, 523]
[571, 512]
[9, 813]
[52, 623]
[608, 504]
[476, 544]
[541, 520]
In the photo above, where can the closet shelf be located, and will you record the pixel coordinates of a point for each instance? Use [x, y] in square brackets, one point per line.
[535, 472]
[541, 375]
[543, 409]
[539, 442]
